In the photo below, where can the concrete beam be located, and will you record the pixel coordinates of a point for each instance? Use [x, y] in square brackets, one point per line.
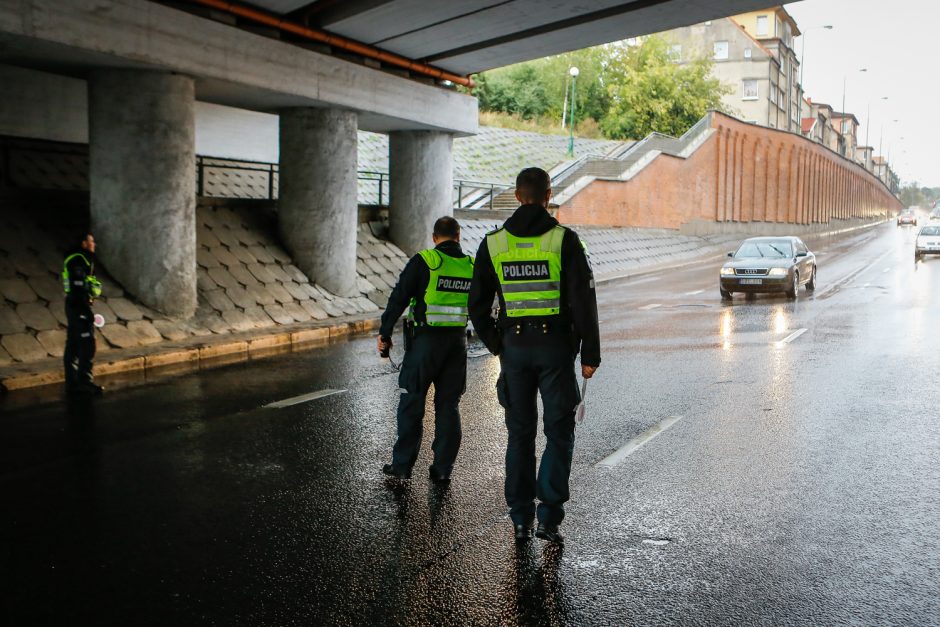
[421, 172]
[317, 207]
[143, 192]
[231, 66]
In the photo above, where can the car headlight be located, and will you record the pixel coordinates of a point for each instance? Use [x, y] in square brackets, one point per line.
[777, 272]
[727, 272]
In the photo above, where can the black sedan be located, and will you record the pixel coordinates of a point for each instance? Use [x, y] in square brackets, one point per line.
[769, 265]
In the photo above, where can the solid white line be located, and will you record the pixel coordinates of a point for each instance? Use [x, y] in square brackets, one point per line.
[791, 337]
[648, 307]
[694, 293]
[303, 398]
[621, 453]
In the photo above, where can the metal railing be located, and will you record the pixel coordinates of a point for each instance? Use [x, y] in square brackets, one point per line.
[218, 177]
[480, 195]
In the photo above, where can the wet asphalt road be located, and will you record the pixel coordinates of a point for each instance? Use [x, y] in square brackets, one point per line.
[798, 483]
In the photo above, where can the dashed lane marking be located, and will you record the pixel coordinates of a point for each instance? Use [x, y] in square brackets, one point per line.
[694, 293]
[648, 307]
[791, 337]
[630, 447]
[886, 270]
[303, 398]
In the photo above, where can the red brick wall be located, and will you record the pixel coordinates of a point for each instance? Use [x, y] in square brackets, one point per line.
[742, 173]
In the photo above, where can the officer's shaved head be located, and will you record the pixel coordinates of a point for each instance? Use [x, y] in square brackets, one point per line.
[447, 228]
[533, 186]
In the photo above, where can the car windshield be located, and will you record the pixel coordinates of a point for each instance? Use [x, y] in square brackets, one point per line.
[930, 230]
[772, 250]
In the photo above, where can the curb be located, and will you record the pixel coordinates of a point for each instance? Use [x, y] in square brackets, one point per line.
[193, 354]
[199, 353]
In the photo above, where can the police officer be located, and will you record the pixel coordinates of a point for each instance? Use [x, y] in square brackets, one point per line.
[436, 284]
[547, 313]
[81, 289]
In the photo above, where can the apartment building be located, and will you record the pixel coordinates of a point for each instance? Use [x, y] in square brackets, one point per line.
[847, 125]
[753, 54]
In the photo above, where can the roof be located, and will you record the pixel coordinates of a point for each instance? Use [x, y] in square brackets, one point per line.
[753, 38]
[841, 116]
[808, 124]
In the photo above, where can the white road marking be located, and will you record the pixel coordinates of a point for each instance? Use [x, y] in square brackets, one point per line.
[648, 307]
[694, 293]
[627, 449]
[303, 398]
[791, 337]
[886, 270]
[866, 285]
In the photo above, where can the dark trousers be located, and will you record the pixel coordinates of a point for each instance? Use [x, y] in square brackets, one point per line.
[528, 369]
[439, 357]
[79, 345]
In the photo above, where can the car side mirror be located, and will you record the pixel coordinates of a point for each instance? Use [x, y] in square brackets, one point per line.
[802, 254]
[731, 254]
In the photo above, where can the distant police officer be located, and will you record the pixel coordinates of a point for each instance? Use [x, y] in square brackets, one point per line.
[547, 313]
[81, 289]
[436, 285]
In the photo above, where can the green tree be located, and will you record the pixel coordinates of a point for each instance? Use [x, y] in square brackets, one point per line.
[650, 92]
[538, 88]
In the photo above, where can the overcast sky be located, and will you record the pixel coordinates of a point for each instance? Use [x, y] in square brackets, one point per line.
[897, 42]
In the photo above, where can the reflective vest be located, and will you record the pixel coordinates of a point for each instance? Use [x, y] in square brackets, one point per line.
[529, 271]
[448, 290]
[92, 284]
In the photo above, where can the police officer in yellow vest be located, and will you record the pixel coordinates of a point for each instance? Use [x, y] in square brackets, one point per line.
[81, 289]
[547, 314]
[435, 284]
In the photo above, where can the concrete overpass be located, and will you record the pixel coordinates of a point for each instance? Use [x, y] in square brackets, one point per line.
[327, 68]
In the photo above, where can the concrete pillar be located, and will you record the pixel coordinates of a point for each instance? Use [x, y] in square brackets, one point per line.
[421, 168]
[142, 173]
[317, 205]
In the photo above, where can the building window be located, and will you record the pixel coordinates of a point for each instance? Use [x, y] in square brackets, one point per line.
[721, 50]
[762, 24]
[747, 53]
[675, 52]
[749, 89]
[845, 126]
[773, 93]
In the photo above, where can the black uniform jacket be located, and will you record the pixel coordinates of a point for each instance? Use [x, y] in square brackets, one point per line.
[578, 298]
[78, 296]
[413, 283]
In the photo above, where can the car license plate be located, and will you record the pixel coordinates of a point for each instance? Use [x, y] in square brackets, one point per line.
[752, 281]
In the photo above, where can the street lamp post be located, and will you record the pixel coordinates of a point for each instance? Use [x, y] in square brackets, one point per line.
[803, 56]
[574, 81]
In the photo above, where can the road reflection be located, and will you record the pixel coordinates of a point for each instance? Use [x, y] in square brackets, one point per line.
[726, 327]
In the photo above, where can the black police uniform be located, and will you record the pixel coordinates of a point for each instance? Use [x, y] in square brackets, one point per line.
[537, 356]
[435, 355]
[80, 345]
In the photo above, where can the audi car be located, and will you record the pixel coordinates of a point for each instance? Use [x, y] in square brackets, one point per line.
[907, 218]
[768, 265]
[928, 242]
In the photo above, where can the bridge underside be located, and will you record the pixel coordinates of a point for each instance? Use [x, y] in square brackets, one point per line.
[146, 63]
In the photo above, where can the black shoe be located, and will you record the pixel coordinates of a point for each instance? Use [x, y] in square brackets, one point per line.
[549, 533]
[394, 471]
[523, 532]
[437, 476]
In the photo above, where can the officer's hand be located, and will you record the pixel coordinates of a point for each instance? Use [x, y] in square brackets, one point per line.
[384, 345]
[588, 371]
